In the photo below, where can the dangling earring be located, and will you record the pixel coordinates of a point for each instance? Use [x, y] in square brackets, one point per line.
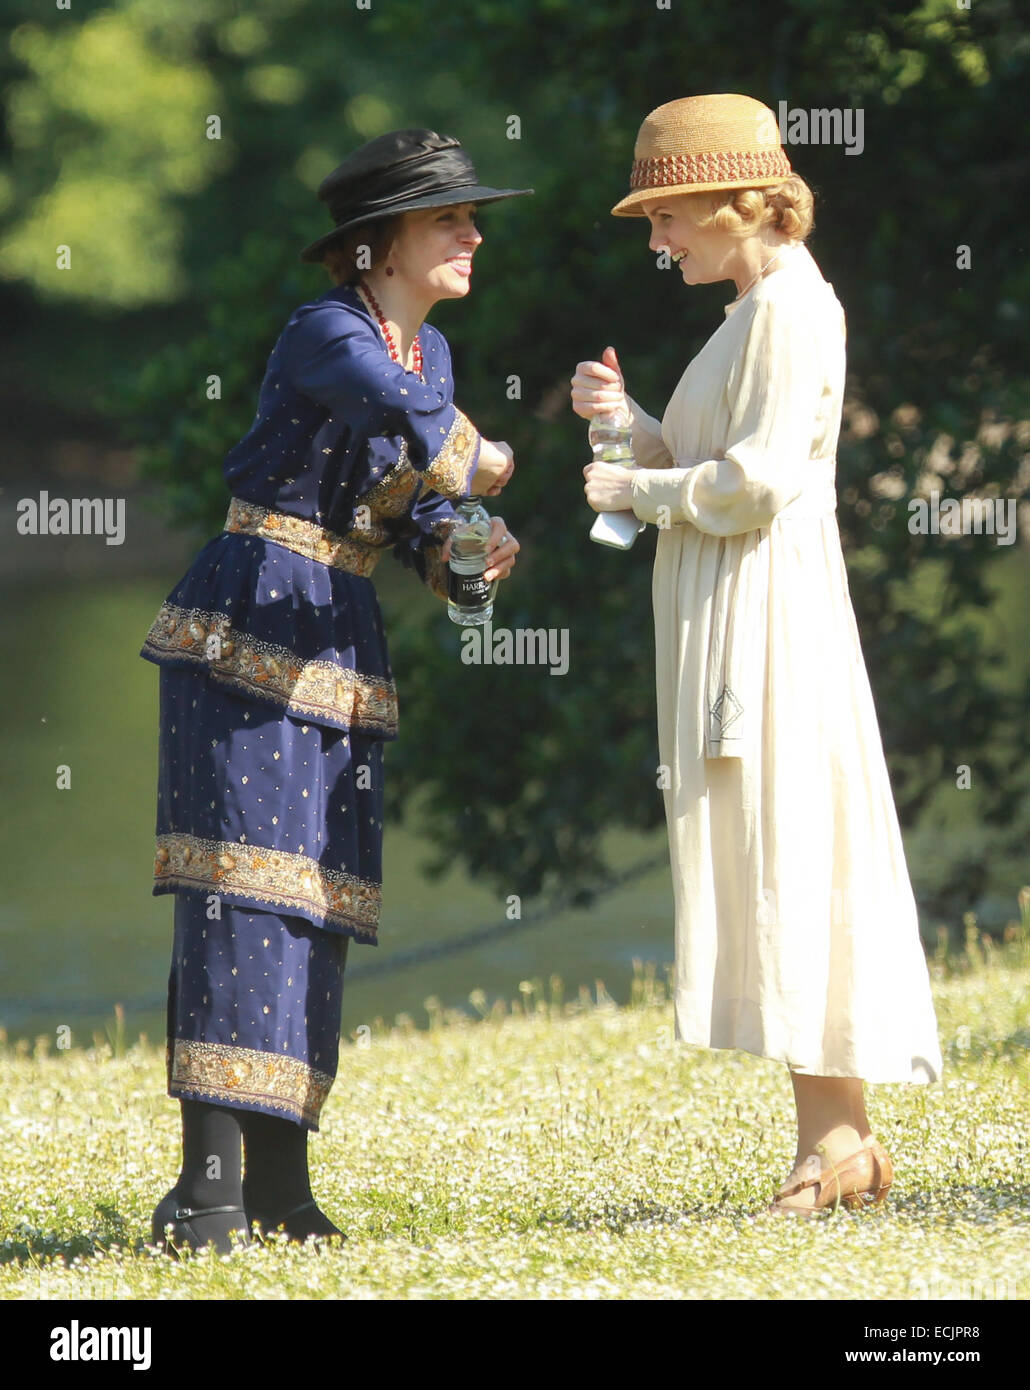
[389, 270]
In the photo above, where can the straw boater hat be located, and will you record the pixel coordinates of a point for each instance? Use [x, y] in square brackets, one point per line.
[700, 144]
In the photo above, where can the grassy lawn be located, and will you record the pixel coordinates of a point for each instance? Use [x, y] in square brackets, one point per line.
[552, 1149]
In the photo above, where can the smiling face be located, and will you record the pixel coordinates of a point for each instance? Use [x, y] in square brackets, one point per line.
[703, 256]
[433, 249]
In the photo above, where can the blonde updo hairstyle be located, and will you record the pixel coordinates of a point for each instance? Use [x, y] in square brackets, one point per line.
[784, 207]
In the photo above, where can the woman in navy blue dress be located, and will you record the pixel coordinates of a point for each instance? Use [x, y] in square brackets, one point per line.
[276, 692]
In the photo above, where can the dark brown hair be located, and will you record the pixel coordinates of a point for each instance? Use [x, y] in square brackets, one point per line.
[340, 259]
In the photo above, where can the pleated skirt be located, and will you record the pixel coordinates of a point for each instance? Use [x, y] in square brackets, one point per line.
[797, 933]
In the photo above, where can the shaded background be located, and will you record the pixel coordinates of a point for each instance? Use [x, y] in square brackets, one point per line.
[506, 780]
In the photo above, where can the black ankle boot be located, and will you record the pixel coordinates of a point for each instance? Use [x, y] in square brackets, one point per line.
[206, 1204]
[277, 1189]
[299, 1223]
[174, 1225]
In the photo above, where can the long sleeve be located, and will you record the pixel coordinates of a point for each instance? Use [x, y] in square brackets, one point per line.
[649, 447]
[774, 391]
[329, 356]
[432, 517]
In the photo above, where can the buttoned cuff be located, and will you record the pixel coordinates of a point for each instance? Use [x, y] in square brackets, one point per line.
[657, 495]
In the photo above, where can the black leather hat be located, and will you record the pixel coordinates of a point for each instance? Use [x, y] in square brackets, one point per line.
[399, 172]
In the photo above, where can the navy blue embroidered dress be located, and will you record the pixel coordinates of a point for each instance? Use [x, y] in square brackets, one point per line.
[277, 696]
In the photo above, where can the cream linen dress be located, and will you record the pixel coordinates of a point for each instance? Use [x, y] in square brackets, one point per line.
[796, 928]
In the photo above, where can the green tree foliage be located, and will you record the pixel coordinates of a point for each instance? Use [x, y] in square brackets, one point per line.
[124, 116]
[517, 770]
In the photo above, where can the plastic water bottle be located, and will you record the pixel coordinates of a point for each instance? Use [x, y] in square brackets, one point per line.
[470, 599]
[611, 441]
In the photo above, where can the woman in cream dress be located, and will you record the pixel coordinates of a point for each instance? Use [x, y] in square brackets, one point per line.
[796, 929]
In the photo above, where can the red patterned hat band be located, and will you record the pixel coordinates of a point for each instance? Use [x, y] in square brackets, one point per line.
[677, 170]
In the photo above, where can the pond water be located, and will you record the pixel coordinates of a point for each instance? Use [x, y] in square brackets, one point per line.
[79, 928]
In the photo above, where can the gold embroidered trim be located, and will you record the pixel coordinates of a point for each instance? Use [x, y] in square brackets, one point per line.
[357, 552]
[395, 491]
[312, 689]
[306, 538]
[244, 1074]
[393, 496]
[451, 469]
[269, 876]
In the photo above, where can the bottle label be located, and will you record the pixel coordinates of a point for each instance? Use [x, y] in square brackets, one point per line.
[467, 590]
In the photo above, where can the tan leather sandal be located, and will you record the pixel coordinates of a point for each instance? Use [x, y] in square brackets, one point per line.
[858, 1182]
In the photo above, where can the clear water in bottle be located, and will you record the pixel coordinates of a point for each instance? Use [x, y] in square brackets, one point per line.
[611, 441]
[470, 599]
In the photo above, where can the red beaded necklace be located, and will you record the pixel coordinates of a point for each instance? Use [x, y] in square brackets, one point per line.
[384, 328]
